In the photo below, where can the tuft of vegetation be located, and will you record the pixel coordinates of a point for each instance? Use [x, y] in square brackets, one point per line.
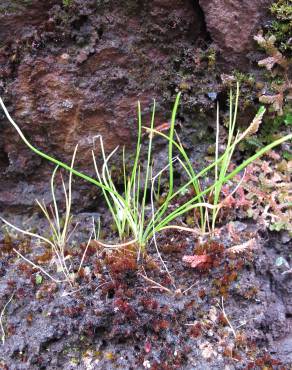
[67, 3]
[282, 26]
[59, 226]
[137, 222]
[275, 57]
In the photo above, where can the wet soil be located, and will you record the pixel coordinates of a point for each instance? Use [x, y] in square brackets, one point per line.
[231, 312]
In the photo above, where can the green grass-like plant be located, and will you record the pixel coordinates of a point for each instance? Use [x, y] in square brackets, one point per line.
[60, 230]
[209, 199]
[129, 208]
[59, 226]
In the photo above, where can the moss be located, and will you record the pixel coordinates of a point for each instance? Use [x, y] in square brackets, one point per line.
[184, 86]
[210, 56]
[281, 27]
[244, 78]
[133, 5]
[67, 3]
[282, 9]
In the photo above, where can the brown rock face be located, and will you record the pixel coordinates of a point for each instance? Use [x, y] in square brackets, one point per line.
[232, 25]
[77, 73]
[69, 74]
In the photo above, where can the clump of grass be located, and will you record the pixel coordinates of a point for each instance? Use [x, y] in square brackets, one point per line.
[209, 199]
[129, 208]
[59, 227]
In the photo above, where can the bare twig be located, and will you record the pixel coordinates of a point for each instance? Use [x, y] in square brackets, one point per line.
[38, 267]
[156, 285]
[85, 251]
[189, 288]
[287, 272]
[183, 228]
[65, 294]
[1, 318]
[116, 246]
[226, 318]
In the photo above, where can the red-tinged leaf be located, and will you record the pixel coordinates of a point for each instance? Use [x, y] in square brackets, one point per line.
[160, 128]
[163, 127]
[147, 347]
[195, 260]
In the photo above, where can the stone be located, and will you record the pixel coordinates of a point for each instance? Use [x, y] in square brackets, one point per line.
[232, 25]
[70, 74]
[77, 73]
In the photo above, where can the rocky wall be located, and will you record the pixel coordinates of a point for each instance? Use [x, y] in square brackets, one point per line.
[71, 73]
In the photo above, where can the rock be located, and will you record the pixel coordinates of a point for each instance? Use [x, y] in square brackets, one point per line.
[283, 348]
[21, 17]
[72, 73]
[81, 77]
[232, 25]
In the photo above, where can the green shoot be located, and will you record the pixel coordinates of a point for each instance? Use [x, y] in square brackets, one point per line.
[129, 209]
[59, 230]
[220, 165]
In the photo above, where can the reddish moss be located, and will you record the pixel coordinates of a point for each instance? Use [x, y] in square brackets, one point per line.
[222, 319]
[26, 269]
[121, 261]
[267, 362]
[47, 290]
[196, 330]
[227, 277]
[29, 318]
[149, 303]
[166, 281]
[73, 311]
[6, 245]
[108, 289]
[81, 273]
[150, 264]
[214, 251]
[241, 340]
[11, 284]
[159, 325]
[97, 268]
[251, 293]
[173, 242]
[231, 353]
[124, 307]
[23, 246]
[202, 293]
[11, 329]
[20, 293]
[43, 258]
[189, 305]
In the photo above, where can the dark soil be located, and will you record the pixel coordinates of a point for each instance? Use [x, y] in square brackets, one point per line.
[115, 318]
